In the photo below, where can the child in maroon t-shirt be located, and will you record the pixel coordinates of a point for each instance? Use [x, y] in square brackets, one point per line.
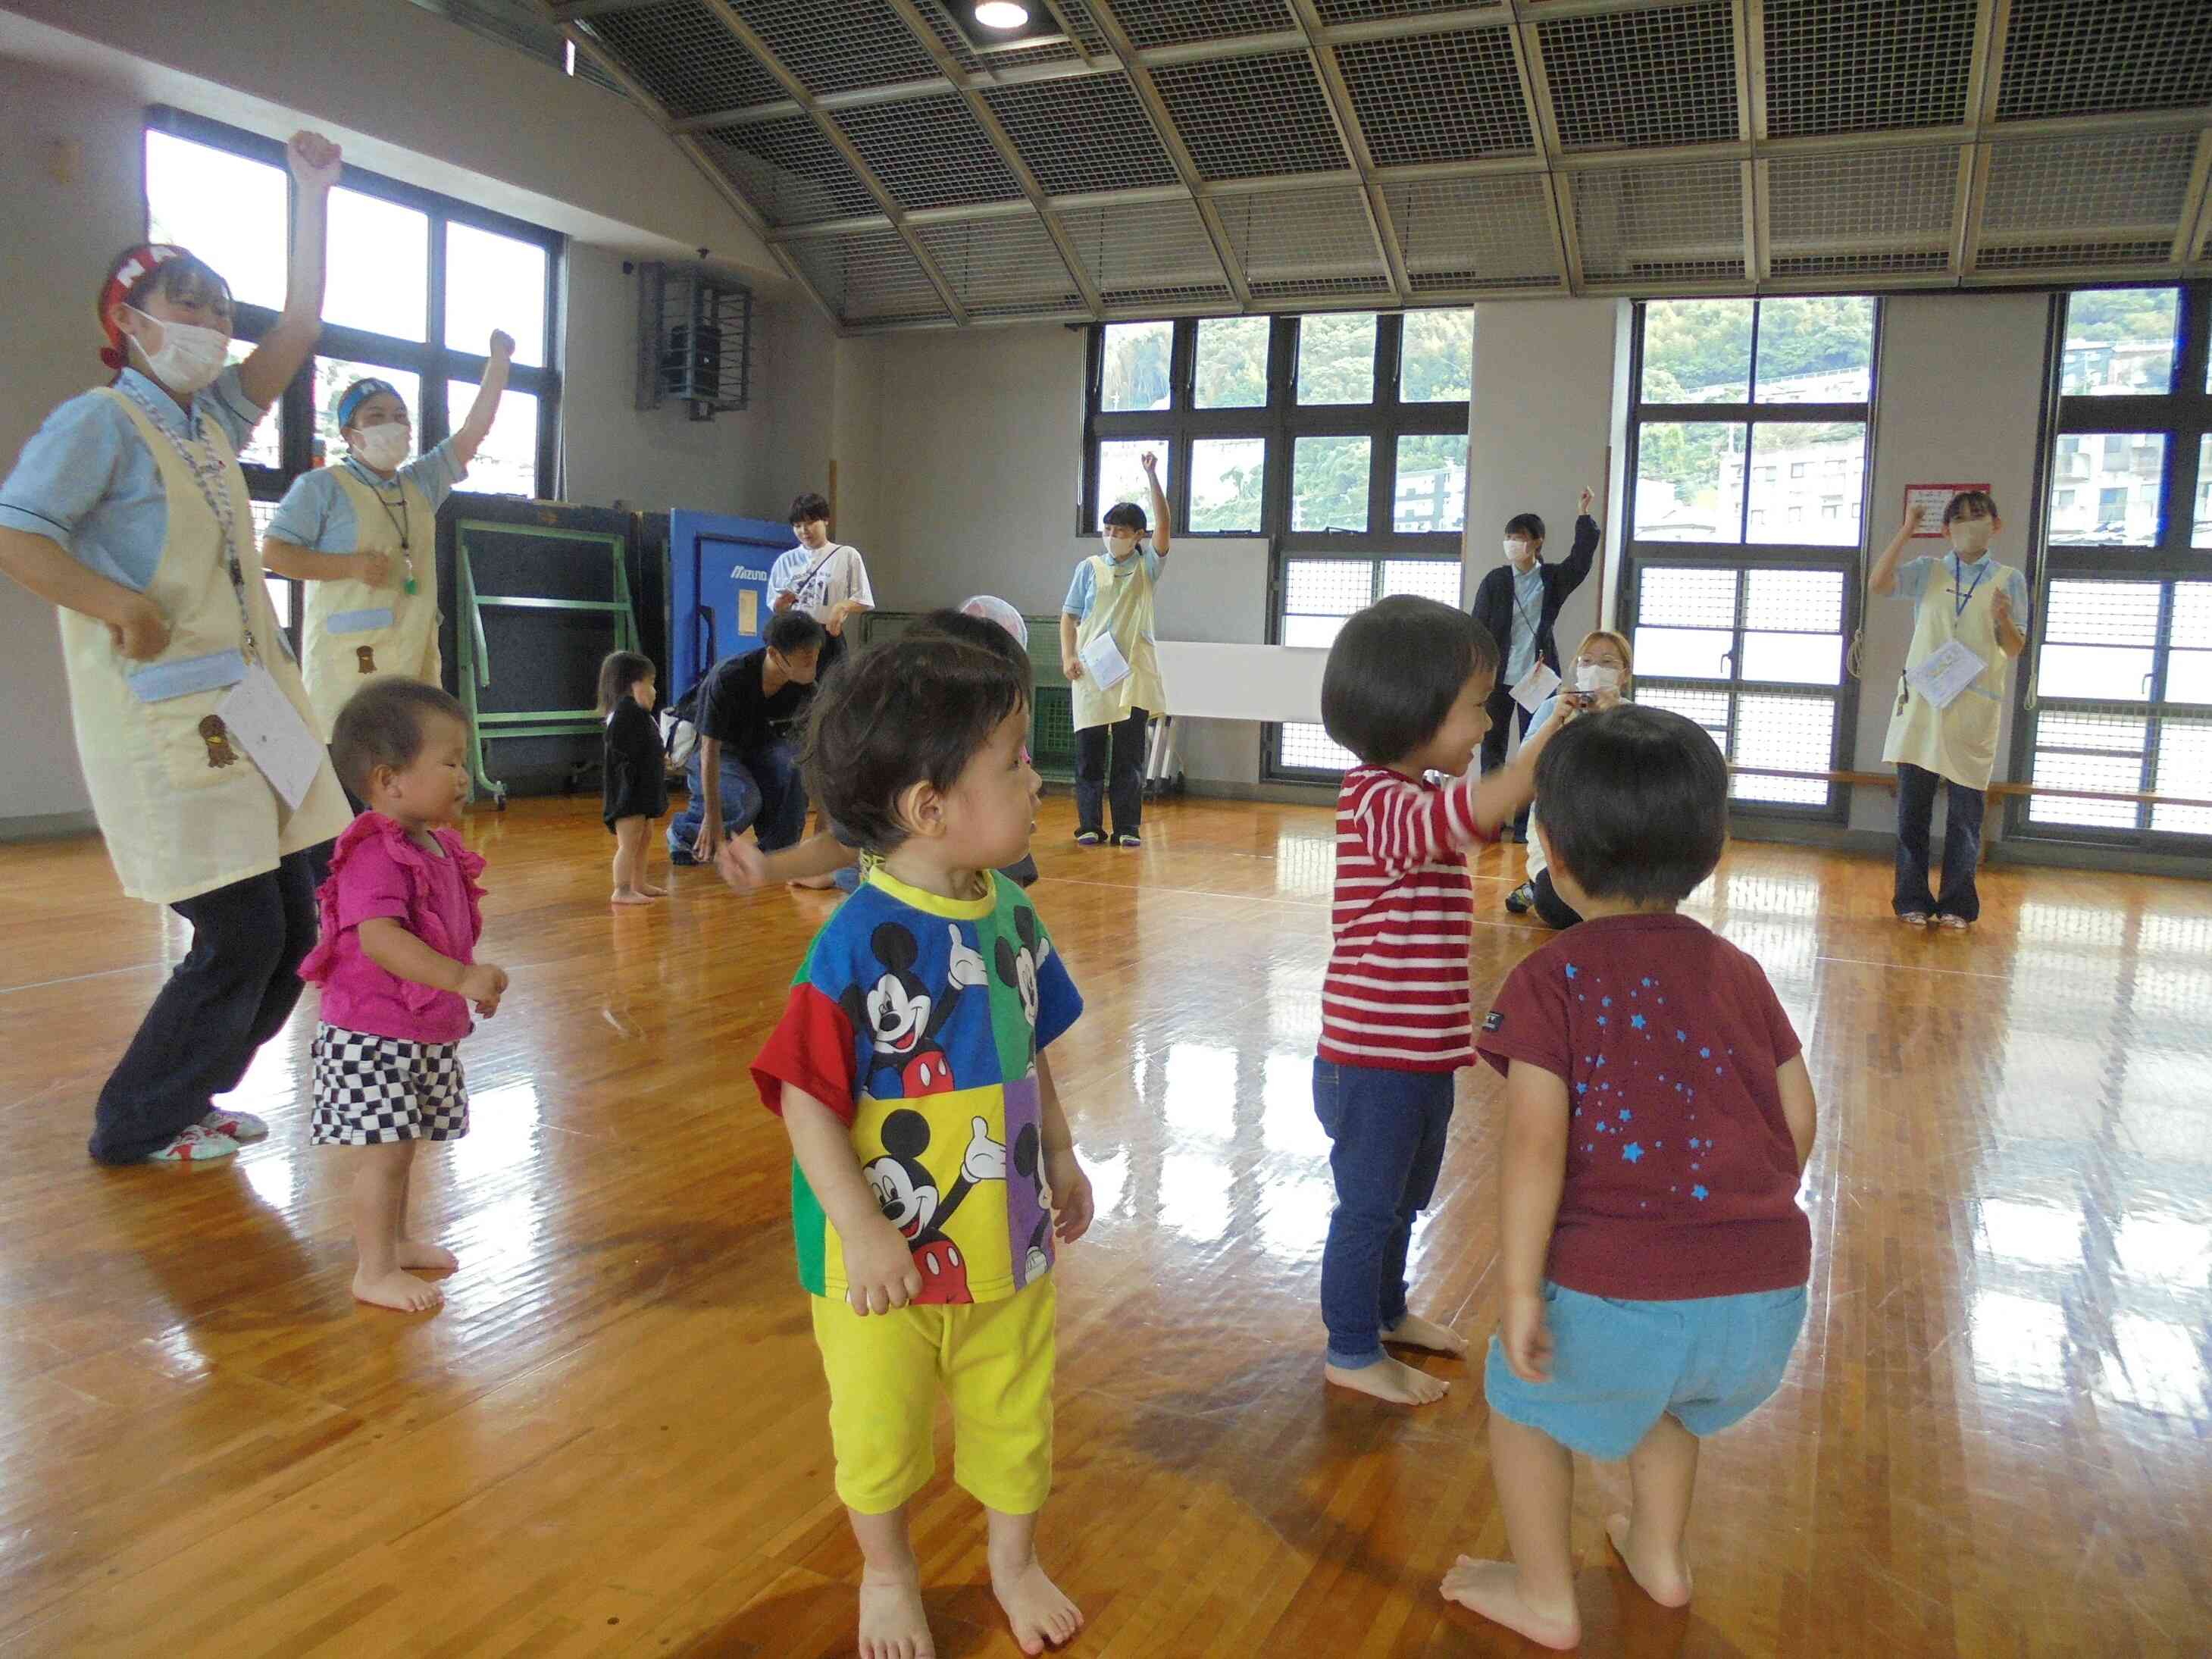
[1658, 1118]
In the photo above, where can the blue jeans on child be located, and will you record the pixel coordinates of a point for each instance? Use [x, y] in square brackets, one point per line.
[1386, 1130]
[762, 791]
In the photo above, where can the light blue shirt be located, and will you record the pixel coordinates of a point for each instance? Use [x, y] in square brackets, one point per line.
[1083, 591]
[1913, 580]
[317, 514]
[1528, 616]
[86, 482]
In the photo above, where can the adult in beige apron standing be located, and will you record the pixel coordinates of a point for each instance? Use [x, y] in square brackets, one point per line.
[1971, 623]
[1111, 599]
[128, 511]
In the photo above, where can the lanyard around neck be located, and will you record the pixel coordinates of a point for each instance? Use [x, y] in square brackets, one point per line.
[1961, 601]
[209, 474]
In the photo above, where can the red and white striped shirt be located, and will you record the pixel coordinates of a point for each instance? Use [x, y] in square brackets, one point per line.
[1396, 992]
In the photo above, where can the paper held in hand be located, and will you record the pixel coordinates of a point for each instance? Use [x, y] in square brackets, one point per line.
[1944, 673]
[260, 720]
[1103, 661]
[1533, 687]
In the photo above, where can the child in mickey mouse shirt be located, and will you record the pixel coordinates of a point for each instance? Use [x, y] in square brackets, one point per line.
[934, 1166]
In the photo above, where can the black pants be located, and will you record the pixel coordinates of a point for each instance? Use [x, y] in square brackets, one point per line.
[1962, 845]
[1125, 788]
[1555, 911]
[230, 994]
[1502, 708]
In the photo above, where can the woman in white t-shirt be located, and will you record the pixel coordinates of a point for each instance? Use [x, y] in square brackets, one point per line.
[825, 578]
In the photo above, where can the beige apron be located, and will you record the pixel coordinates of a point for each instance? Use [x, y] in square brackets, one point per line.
[1958, 743]
[1120, 604]
[183, 810]
[353, 633]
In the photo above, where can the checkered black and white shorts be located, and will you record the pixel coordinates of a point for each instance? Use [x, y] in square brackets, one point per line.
[371, 1090]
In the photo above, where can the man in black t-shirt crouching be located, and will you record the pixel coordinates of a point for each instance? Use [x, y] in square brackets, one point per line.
[744, 773]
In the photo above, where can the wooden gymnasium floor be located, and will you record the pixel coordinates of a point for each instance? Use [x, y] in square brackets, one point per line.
[1995, 1439]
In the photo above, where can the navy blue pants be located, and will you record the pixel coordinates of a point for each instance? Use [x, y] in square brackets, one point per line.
[761, 791]
[1386, 1130]
[1962, 845]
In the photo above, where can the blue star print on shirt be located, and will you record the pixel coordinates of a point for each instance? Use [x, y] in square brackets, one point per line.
[1632, 1151]
[1635, 1022]
[1571, 970]
[1697, 1193]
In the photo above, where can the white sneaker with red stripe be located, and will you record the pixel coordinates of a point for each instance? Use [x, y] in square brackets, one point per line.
[197, 1144]
[237, 1126]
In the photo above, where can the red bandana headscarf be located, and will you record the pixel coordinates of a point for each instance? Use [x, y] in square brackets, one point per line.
[130, 270]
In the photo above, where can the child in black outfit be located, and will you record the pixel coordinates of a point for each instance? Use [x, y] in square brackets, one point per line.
[636, 775]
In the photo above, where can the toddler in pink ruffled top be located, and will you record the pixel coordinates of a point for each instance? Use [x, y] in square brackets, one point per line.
[396, 961]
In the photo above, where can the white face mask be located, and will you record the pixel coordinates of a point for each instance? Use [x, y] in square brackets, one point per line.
[383, 446]
[1971, 536]
[1516, 551]
[190, 358]
[1596, 676]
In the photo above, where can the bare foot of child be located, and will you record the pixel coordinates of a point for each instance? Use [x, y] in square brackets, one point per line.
[1492, 1588]
[1039, 1613]
[893, 1623]
[396, 1290]
[1662, 1574]
[1392, 1380]
[1415, 1332]
[815, 883]
[425, 1258]
[651, 891]
[629, 895]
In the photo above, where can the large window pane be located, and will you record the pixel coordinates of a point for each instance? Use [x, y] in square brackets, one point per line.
[1793, 734]
[2119, 341]
[494, 281]
[332, 376]
[1228, 482]
[1437, 359]
[1122, 474]
[2201, 531]
[1306, 745]
[1807, 483]
[1793, 624]
[1689, 481]
[1685, 621]
[1328, 484]
[232, 212]
[507, 463]
[2185, 769]
[1231, 370]
[1431, 488]
[1816, 351]
[2111, 774]
[2189, 664]
[2098, 642]
[2104, 488]
[264, 444]
[1336, 358]
[1318, 594]
[1134, 374]
[1697, 351]
[1683, 654]
[1432, 578]
[380, 267]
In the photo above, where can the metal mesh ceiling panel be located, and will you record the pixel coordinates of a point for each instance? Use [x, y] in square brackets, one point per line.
[1865, 65]
[683, 57]
[1886, 210]
[1636, 79]
[1175, 22]
[2087, 57]
[1147, 253]
[1247, 118]
[836, 46]
[1083, 27]
[2075, 201]
[870, 276]
[1462, 235]
[1087, 135]
[1304, 244]
[1437, 97]
[1002, 267]
[929, 152]
[789, 171]
[1334, 12]
[1660, 224]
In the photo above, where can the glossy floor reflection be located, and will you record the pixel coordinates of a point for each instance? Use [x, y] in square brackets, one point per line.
[1996, 1437]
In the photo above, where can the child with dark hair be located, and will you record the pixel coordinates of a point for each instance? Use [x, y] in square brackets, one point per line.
[1658, 1117]
[1405, 690]
[401, 916]
[634, 772]
[935, 1168]
[1112, 597]
[744, 773]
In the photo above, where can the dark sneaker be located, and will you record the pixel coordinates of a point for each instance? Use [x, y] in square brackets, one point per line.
[1521, 899]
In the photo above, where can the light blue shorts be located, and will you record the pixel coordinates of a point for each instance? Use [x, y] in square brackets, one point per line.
[1617, 1367]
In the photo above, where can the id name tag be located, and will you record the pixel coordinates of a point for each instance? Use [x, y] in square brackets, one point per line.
[262, 721]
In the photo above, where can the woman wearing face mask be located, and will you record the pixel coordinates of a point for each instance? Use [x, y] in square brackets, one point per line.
[1112, 596]
[1969, 599]
[1518, 602]
[364, 533]
[1597, 679]
[128, 510]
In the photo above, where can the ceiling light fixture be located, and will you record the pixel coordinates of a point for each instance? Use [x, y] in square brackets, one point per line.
[1002, 15]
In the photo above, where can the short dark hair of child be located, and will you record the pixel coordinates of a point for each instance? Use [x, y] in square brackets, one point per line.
[1127, 515]
[618, 672]
[978, 631]
[914, 710]
[1969, 504]
[1525, 524]
[809, 507]
[794, 631]
[382, 725]
[1395, 671]
[1633, 803]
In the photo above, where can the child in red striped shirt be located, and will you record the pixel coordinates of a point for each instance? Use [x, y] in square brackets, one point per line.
[1404, 690]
